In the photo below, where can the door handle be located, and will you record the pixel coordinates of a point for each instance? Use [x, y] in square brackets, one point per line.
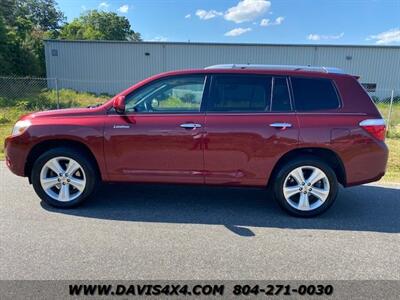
[280, 125]
[190, 125]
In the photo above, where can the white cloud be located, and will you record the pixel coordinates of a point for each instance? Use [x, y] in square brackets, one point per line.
[237, 31]
[267, 22]
[247, 10]
[264, 22]
[279, 20]
[158, 39]
[313, 37]
[188, 16]
[206, 15]
[104, 5]
[319, 37]
[386, 37]
[123, 9]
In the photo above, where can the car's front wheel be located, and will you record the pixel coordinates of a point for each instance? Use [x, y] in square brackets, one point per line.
[63, 177]
[306, 187]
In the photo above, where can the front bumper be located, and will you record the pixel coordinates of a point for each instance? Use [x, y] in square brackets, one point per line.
[16, 151]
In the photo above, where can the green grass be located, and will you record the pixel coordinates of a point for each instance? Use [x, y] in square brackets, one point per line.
[393, 141]
[394, 126]
[177, 102]
[10, 114]
[393, 169]
[5, 130]
[45, 99]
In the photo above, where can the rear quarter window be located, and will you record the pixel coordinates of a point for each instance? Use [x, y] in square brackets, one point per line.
[314, 94]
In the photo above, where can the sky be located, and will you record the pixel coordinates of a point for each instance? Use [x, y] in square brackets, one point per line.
[358, 22]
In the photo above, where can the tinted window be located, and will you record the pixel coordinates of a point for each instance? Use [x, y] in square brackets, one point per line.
[280, 95]
[314, 94]
[240, 93]
[174, 94]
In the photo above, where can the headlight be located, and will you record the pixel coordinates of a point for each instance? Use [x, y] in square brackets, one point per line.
[20, 127]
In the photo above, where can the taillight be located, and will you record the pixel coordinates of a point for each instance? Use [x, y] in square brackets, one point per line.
[375, 127]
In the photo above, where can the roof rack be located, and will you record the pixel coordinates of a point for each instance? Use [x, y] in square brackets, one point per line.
[277, 67]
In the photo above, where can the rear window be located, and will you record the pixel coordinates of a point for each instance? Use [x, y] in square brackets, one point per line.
[314, 94]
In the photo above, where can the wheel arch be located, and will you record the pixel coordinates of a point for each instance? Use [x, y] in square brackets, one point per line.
[328, 156]
[45, 145]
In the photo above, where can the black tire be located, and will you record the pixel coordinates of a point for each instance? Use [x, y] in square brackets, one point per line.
[91, 176]
[283, 173]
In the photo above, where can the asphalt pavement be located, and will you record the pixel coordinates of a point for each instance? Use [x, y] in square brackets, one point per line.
[188, 232]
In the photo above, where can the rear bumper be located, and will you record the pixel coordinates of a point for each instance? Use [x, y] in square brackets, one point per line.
[16, 151]
[368, 165]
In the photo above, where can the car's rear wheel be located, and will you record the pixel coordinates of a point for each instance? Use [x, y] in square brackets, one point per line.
[63, 177]
[305, 187]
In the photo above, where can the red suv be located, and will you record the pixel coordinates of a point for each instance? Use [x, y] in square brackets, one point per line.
[298, 130]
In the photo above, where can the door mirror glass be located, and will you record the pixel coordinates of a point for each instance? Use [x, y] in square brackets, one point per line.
[119, 104]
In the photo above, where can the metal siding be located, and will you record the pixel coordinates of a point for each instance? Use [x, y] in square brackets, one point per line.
[374, 65]
[199, 56]
[109, 67]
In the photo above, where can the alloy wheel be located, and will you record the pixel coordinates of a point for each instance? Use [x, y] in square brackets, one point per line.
[63, 179]
[306, 188]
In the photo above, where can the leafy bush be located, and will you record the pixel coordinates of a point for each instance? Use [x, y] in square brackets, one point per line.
[188, 98]
[4, 120]
[47, 99]
[176, 102]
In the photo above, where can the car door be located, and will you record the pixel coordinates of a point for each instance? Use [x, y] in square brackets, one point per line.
[159, 137]
[250, 124]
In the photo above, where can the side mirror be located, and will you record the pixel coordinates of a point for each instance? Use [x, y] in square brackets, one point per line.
[119, 104]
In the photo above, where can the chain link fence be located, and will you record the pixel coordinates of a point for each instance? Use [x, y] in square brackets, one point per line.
[388, 103]
[50, 93]
[21, 95]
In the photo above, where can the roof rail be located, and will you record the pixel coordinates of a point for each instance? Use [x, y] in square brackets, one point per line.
[277, 67]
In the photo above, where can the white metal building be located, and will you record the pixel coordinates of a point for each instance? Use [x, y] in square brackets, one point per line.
[110, 66]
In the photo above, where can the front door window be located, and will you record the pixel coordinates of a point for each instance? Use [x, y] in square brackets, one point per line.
[171, 95]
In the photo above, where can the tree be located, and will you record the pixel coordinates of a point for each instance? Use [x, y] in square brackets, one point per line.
[6, 66]
[135, 37]
[99, 25]
[23, 25]
[7, 8]
[43, 14]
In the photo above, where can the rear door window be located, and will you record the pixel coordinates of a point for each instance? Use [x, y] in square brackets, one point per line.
[249, 93]
[314, 94]
[240, 93]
